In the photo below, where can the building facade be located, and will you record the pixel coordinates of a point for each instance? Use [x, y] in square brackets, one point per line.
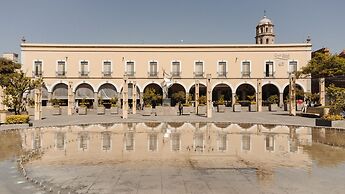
[97, 70]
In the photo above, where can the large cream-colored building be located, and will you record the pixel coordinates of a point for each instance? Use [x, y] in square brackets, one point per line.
[97, 70]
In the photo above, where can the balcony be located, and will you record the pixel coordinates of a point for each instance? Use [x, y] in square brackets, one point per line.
[83, 73]
[269, 74]
[107, 73]
[175, 74]
[246, 74]
[153, 74]
[61, 73]
[130, 73]
[37, 73]
[199, 74]
[222, 73]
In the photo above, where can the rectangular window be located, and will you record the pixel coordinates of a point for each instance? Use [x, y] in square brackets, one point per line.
[270, 143]
[246, 142]
[222, 69]
[246, 69]
[269, 69]
[176, 68]
[199, 72]
[83, 141]
[130, 68]
[153, 140]
[84, 68]
[175, 141]
[129, 137]
[222, 145]
[38, 68]
[106, 68]
[61, 70]
[153, 69]
[60, 141]
[292, 66]
[106, 141]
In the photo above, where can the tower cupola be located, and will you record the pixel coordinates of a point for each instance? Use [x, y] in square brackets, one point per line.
[265, 31]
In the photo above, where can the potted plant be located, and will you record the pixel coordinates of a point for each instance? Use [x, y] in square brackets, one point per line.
[252, 105]
[286, 104]
[83, 107]
[100, 108]
[56, 106]
[237, 106]
[330, 120]
[202, 105]
[221, 104]
[273, 103]
[114, 109]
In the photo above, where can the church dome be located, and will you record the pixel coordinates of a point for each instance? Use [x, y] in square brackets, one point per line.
[265, 20]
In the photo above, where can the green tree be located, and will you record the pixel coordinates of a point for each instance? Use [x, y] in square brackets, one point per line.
[324, 65]
[151, 95]
[7, 69]
[17, 85]
[179, 96]
[337, 99]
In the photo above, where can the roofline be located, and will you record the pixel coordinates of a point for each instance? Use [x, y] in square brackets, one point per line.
[45, 45]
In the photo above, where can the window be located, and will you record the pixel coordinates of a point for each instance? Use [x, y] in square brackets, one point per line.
[222, 142]
[129, 137]
[199, 72]
[61, 68]
[36, 141]
[246, 69]
[84, 68]
[267, 40]
[153, 69]
[270, 143]
[60, 140]
[107, 68]
[83, 141]
[199, 142]
[153, 141]
[292, 66]
[176, 69]
[246, 142]
[130, 68]
[175, 141]
[222, 69]
[269, 69]
[106, 141]
[38, 68]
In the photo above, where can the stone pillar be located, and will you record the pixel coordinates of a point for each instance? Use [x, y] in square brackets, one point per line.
[50, 96]
[233, 99]
[259, 95]
[134, 97]
[281, 99]
[187, 96]
[209, 96]
[141, 101]
[292, 94]
[70, 107]
[2, 107]
[322, 91]
[196, 97]
[38, 104]
[95, 101]
[125, 97]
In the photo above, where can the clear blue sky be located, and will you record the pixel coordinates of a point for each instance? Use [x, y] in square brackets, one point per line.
[169, 21]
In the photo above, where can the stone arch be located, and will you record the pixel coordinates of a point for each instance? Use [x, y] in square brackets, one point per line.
[107, 91]
[299, 93]
[84, 90]
[268, 90]
[60, 91]
[174, 88]
[130, 91]
[83, 82]
[106, 82]
[222, 89]
[202, 90]
[243, 91]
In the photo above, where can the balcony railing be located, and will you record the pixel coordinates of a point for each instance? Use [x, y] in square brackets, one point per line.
[106, 73]
[153, 74]
[246, 74]
[83, 73]
[61, 73]
[198, 74]
[130, 73]
[176, 74]
[269, 74]
[37, 73]
[222, 73]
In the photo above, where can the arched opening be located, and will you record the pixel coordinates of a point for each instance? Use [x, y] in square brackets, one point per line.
[202, 91]
[60, 92]
[106, 92]
[267, 91]
[157, 90]
[243, 93]
[222, 90]
[299, 92]
[44, 95]
[130, 96]
[84, 94]
[173, 89]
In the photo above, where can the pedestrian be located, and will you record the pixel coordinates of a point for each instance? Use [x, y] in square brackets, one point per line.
[180, 108]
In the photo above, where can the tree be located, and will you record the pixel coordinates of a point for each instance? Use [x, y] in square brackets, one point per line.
[16, 86]
[179, 96]
[324, 65]
[7, 69]
[151, 95]
[337, 99]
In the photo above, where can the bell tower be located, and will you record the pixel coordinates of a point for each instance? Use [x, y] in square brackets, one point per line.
[264, 31]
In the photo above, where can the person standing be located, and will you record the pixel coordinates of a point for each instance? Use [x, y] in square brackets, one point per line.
[180, 107]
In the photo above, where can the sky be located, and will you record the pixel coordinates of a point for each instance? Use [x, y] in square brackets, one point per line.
[169, 21]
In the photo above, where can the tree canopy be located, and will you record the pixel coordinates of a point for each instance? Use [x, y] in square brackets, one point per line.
[7, 69]
[324, 65]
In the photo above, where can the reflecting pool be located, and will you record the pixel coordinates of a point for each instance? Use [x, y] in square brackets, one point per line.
[183, 158]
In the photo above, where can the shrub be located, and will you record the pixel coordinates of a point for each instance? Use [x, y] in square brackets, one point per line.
[273, 99]
[17, 119]
[202, 100]
[331, 117]
[221, 100]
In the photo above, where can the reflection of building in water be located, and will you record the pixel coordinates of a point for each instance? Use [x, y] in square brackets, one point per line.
[138, 141]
